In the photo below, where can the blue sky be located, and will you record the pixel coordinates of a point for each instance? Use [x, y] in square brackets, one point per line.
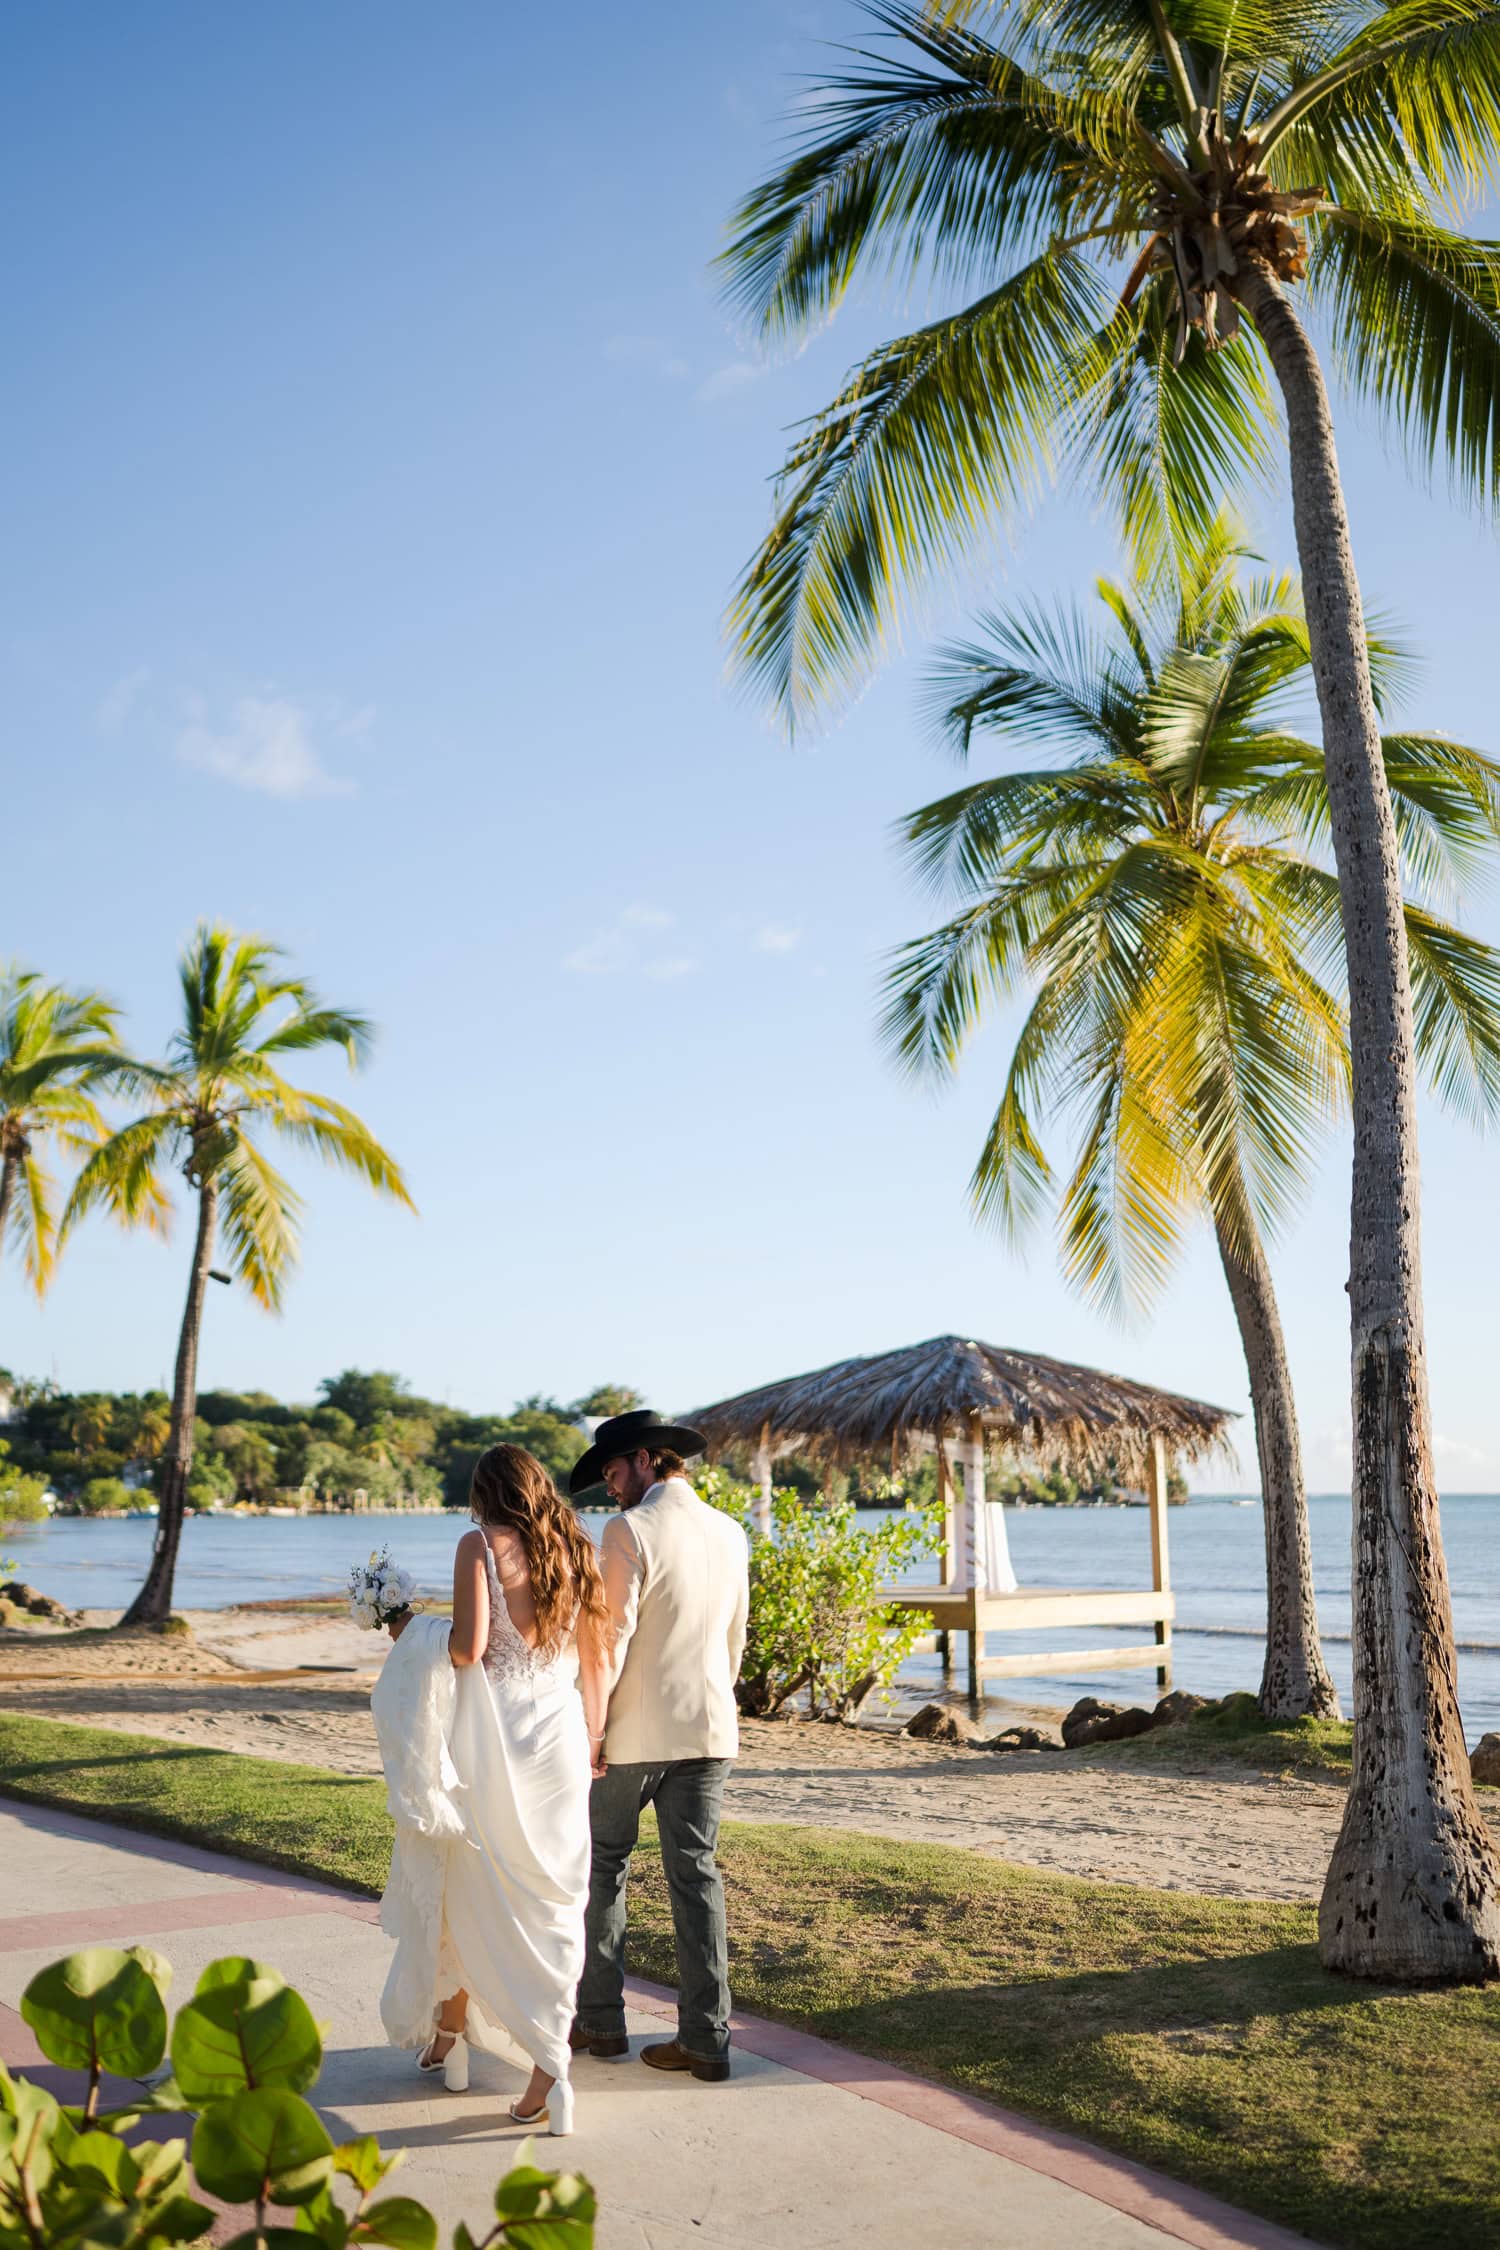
[379, 460]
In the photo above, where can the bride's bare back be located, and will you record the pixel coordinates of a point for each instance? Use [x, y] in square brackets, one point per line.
[514, 1574]
[471, 1590]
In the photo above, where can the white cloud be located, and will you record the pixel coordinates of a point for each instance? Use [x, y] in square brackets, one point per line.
[653, 353]
[631, 946]
[121, 699]
[597, 956]
[776, 937]
[268, 746]
[726, 380]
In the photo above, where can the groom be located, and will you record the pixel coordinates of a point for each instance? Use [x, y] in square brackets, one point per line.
[676, 1577]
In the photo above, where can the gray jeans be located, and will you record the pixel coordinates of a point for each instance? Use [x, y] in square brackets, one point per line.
[687, 1795]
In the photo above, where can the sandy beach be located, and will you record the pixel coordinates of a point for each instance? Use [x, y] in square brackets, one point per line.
[289, 1686]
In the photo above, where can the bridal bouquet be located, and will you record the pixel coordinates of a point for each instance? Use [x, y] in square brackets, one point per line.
[378, 1591]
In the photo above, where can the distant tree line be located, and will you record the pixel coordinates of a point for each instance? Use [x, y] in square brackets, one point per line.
[99, 1450]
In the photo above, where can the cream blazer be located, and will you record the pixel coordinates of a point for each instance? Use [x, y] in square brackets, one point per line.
[677, 1574]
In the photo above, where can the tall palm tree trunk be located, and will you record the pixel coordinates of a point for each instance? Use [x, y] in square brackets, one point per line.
[10, 1166]
[1413, 1888]
[154, 1601]
[1295, 1681]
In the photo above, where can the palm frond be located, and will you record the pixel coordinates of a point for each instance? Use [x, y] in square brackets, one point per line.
[1034, 674]
[1430, 69]
[931, 436]
[1124, 1208]
[1415, 316]
[123, 1176]
[1455, 990]
[961, 160]
[329, 1130]
[316, 1026]
[259, 1211]
[1050, 828]
[1161, 444]
[36, 1222]
[1446, 799]
[937, 985]
[1012, 1180]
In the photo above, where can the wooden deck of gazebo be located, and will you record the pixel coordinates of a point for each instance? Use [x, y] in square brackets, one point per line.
[965, 1399]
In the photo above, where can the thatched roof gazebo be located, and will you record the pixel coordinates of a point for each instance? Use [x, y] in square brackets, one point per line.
[963, 1399]
[892, 1403]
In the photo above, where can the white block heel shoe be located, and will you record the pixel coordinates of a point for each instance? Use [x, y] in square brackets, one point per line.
[558, 2110]
[560, 2107]
[454, 2065]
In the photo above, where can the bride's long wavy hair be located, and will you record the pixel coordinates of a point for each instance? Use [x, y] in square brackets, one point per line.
[511, 1488]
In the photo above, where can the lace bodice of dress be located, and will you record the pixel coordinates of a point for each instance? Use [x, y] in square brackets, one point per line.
[510, 1659]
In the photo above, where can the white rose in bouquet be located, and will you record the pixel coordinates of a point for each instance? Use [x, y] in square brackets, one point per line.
[378, 1591]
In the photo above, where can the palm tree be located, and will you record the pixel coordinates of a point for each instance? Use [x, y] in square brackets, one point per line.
[1135, 197]
[58, 1050]
[1158, 884]
[219, 1088]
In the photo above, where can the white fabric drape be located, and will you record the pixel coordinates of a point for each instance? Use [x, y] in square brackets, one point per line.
[994, 1546]
[487, 1779]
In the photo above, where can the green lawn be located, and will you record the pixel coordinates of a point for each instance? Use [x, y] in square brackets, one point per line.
[1197, 2034]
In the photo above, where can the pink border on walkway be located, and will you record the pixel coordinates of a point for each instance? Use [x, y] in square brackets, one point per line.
[1186, 2213]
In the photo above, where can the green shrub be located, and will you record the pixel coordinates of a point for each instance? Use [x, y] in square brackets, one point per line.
[244, 2053]
[105, 1496]
[818, 1625]
[20, 1496]
[209, 1480]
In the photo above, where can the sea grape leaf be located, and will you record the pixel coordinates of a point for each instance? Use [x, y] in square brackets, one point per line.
[265, 2142]
[550, 2234]
[100, 2160]
[98, 2009]
[180, 2219]
[362, 2162]
[259, 2033]
[156, 1965]
[321, 2219]
[400, 2222]
[236, 1968]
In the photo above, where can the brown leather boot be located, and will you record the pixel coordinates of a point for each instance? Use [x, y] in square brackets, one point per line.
[596, 2043]
[672, 2055]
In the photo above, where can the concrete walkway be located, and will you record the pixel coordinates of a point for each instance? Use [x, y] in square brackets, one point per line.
[808, 2148]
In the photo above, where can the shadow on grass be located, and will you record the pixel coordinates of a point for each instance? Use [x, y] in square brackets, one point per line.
[163, 1753]
[1357, 2114]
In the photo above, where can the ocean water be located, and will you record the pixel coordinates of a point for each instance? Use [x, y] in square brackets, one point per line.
[1217, 1570]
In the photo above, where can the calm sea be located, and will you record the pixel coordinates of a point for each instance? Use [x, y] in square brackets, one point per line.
[1218, 1573]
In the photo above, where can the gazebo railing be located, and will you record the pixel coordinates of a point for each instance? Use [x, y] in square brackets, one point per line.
[962, 1603]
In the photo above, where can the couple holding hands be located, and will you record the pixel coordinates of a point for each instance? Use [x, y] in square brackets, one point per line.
[521, 1743]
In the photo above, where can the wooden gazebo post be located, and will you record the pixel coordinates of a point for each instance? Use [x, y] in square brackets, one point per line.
[1161, 1573]
[973, 1547]
[947, 1559]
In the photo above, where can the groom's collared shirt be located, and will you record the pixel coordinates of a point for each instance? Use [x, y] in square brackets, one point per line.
[676, 1576]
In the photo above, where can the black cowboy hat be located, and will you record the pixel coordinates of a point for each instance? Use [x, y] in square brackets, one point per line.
[627, 1433]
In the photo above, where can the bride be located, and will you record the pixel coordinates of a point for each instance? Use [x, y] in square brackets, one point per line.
[490, 1733]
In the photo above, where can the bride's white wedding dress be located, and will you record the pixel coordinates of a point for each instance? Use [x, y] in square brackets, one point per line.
[489, 1784]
